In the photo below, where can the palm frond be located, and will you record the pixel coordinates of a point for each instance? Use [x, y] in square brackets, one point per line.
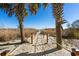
[45, 5]
[5, 6]
[33, 7]
[19, 10]
[58, 11]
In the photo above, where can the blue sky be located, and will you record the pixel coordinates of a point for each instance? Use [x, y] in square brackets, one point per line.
[43, 18]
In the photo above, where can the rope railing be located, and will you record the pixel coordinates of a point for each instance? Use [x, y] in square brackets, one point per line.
[64, 47]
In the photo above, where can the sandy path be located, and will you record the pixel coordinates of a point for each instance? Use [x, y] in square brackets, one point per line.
[39, 47]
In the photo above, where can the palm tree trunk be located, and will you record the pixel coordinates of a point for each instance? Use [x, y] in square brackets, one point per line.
[21, 31]
[58, 35]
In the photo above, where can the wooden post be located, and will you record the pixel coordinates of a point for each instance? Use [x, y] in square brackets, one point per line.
[31, 38]
[43, 36]
[47, 38]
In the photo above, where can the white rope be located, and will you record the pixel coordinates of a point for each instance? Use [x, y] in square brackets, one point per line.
[64, 48]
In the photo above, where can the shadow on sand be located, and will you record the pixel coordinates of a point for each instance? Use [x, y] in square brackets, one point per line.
[39, 53]
[17, 43]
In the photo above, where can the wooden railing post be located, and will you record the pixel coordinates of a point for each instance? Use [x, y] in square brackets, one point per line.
[31, 38]
[47, 38]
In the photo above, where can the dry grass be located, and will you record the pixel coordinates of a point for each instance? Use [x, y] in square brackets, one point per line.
[76, 34]
[7, 34]
[29, 32]
[13, 34]
[50, 32]
[71, 34]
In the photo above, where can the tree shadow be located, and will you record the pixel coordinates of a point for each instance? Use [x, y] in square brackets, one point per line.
[16, 43]
[3, 48]
[39, 53]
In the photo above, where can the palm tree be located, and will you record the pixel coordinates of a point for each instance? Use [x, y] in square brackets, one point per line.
[57, 9]
[20, 11]
[57, 12]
